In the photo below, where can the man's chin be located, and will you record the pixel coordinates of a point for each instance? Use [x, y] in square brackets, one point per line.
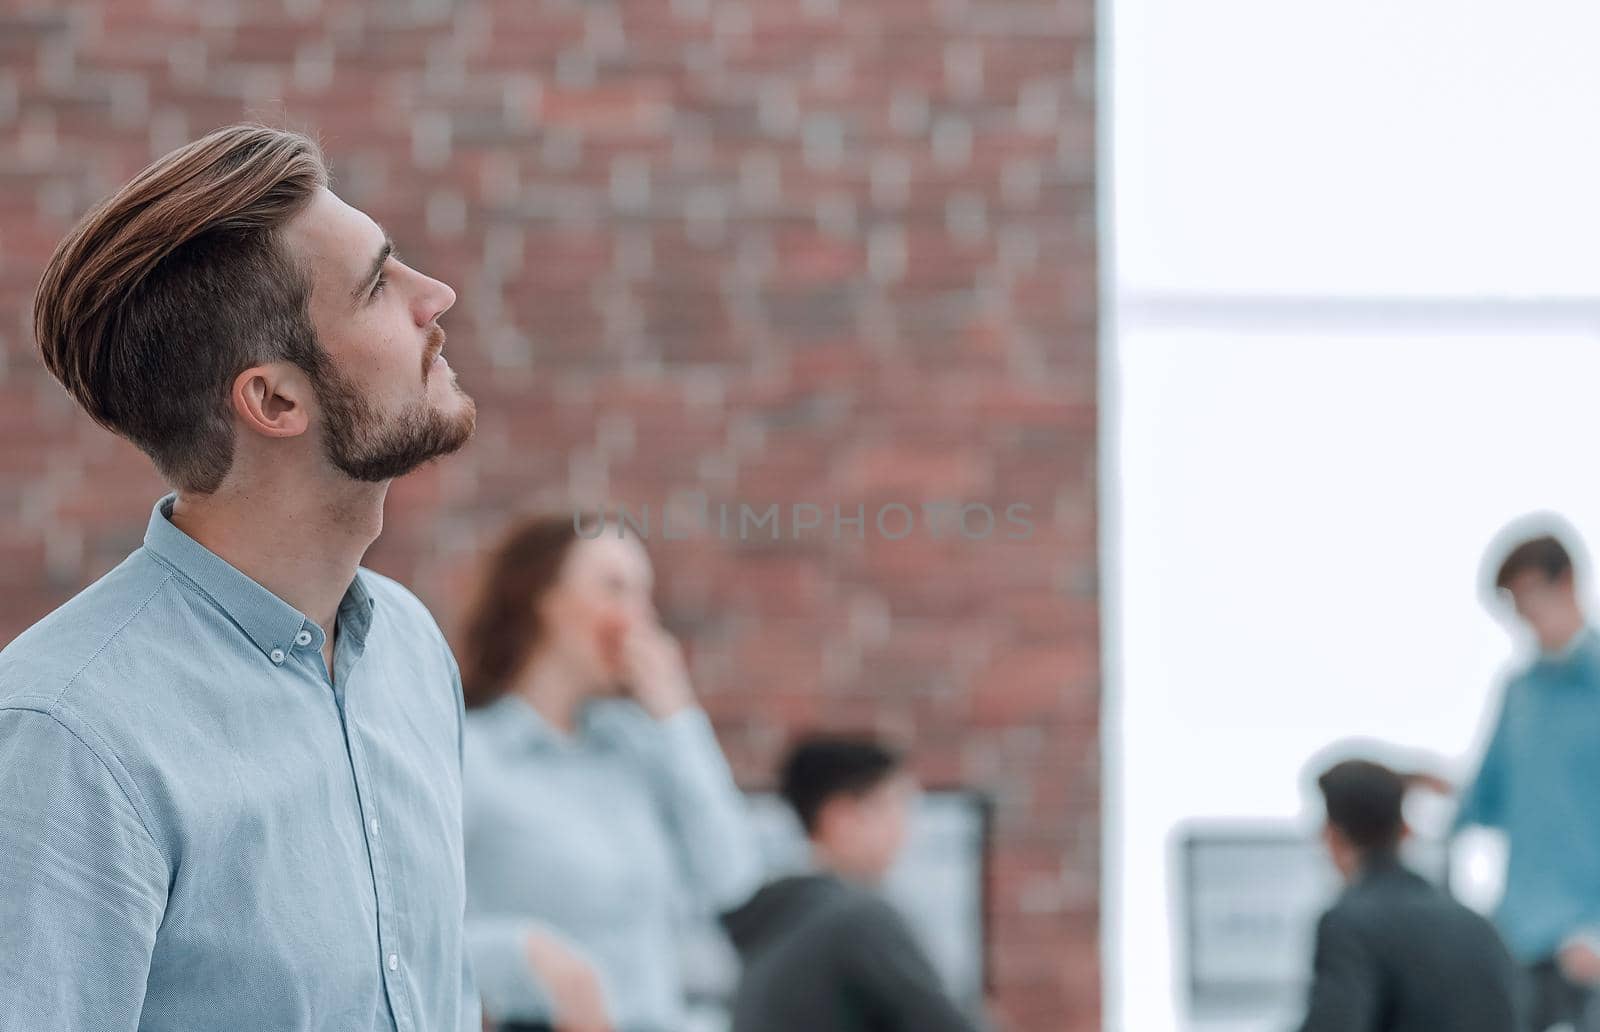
[461, 412]
[439, 435]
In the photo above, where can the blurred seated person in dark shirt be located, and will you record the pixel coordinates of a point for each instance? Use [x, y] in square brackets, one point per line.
[1395, 954]
[823, 952]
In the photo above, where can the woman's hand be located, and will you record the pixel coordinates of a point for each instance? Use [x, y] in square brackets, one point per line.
[652, 664]
[1580, 960]
[573, 983]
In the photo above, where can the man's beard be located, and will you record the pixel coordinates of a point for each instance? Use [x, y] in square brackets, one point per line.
[364, 445]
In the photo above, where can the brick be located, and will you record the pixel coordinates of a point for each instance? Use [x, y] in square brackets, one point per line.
[809, 253]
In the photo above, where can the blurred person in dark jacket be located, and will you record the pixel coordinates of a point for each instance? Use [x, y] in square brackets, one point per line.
[1395, 954]
[823, 951]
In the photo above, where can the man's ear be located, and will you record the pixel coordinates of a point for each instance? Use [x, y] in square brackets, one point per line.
[273, 399]
[1337, 841]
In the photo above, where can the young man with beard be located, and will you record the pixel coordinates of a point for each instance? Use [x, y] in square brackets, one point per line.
[230, 768]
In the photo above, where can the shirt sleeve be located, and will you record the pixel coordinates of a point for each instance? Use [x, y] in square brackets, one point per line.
[471, 1019]
[892, 980]
[1484, 801]
[505, 976]
[83, 886]
[706, 811]
[1344, 988]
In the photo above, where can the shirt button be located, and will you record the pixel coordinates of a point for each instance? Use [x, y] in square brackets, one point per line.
[303, 638]
[277, 656]
[373, 824]
[394, 962]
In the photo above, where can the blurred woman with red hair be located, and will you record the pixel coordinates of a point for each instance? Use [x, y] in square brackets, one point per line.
[599, 808]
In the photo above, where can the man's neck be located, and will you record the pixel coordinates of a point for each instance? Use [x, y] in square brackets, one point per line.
[827, 861]
[1379, 860]
[1560, 641]
[301, 544]
[549, 689]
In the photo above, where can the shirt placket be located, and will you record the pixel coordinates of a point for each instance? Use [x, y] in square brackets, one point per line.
[392, 957]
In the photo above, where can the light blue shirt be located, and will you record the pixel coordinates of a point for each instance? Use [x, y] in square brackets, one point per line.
[199, 831]
[1540, 783]
[607, 839]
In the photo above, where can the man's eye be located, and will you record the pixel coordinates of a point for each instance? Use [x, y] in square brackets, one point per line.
[377, 288]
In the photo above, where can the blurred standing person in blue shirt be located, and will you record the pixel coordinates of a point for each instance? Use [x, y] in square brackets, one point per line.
[600, 811]
[1539, 782]
[230, 769]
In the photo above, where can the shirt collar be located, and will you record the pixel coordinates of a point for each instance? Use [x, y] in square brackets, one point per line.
[267, 620]
[524, 726]
[1385, 864]
[1570, 649]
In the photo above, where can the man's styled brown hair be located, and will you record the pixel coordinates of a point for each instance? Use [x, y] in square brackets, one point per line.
[167, 290]
[1366, 802]
[503, 624]
[1544, 553]
[820, 768]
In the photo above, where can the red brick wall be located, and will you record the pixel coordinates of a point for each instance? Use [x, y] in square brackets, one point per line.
[773, 251]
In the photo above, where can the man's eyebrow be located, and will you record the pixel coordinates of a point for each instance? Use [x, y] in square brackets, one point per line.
[376, 267]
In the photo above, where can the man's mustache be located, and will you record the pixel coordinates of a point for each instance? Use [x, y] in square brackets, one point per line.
[431, 350]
